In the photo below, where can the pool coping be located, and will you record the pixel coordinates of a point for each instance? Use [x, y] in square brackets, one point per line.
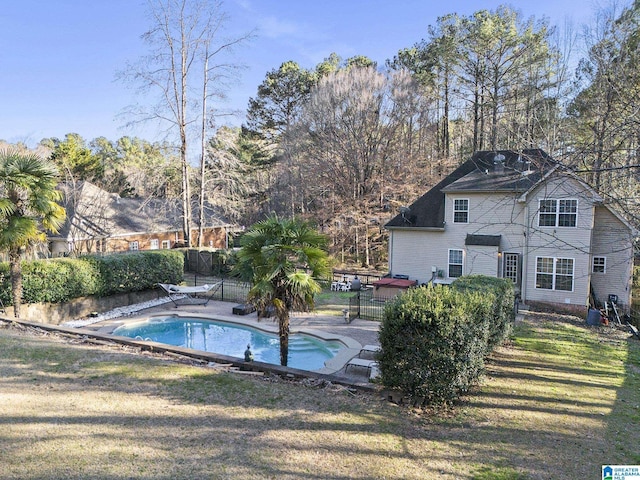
[333, 365]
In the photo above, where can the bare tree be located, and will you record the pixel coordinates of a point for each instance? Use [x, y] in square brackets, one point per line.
[187, 47]
[352, 140]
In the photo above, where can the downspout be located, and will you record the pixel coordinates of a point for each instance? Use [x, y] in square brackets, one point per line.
[525, 259]
[390, 250]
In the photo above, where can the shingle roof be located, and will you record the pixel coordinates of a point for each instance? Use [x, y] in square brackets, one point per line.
[95, 213]
[486, 171]
[483, 240]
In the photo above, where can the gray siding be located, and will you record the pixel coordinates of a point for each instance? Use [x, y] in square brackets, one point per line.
[612, 240]
[560, 242]
[597, 232]
[414, 253]
[481, 260]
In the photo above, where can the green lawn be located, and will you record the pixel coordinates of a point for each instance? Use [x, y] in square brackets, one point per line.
[558, 402]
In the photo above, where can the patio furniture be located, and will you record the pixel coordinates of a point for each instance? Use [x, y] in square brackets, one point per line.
[361, 362]
[369, 349]
[189, 295]
[243, 309]
[340, 286]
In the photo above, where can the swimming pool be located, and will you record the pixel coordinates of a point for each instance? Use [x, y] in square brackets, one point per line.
[305, 351]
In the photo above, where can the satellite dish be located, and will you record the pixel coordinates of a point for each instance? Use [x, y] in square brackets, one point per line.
[404, 211]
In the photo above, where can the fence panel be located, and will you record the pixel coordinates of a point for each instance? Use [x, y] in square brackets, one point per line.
[368, 306]
[231, 290]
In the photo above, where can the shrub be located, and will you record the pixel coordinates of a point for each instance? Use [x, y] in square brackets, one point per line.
[434, 340]
[133, 272]
[58, 280]
[501, 292]
[61, 279]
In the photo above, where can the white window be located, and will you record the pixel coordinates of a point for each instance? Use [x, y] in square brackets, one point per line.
[599, 265]
[554, 273]
[154, 244]
[461, 210]
[557, 213]
[455, 263]
[133, 245]
[166, 244]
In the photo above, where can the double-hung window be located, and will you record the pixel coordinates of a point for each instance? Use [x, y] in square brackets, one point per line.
[133, 245]
[461, 210]
[557, 212]
[554, 273]
[455, 263]
[599, 265]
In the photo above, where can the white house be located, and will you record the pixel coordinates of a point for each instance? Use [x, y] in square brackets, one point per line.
[521, 216]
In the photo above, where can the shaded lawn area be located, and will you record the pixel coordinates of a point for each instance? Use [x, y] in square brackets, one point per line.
[557, 403]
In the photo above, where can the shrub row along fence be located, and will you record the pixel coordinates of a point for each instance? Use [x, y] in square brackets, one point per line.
[434, 340]
[59, 280]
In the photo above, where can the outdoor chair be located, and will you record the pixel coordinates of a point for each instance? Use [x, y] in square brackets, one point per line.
[361, 362]
[189, 295]
[369, 349]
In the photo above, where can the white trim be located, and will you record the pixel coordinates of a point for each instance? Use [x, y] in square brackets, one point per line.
[449, 261]
[454, 211]
[554, 274]
[557, 212]
[604, 264]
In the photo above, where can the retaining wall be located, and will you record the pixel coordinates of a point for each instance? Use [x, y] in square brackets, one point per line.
[57, 313]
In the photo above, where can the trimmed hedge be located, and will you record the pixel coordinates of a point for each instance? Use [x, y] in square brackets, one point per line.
[502, 294]
[57, 280]
[62, 279]
[434, 339]
[134, 272]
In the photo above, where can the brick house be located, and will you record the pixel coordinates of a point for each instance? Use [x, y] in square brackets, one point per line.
[102, 222]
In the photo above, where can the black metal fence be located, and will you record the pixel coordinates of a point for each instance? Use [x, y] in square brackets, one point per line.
[230, 289]
[364, 304]
[204, 267]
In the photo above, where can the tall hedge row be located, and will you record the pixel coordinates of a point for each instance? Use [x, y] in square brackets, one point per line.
[62, 279]
[502, 294]
[434, 339]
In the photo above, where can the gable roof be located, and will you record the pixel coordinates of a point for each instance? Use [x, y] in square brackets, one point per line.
[485, 171]
[96, 213]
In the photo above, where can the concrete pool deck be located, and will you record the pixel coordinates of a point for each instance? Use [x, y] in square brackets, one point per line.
[355, 334]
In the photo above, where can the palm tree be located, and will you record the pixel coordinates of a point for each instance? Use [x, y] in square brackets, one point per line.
[281, 258]
[28, 206]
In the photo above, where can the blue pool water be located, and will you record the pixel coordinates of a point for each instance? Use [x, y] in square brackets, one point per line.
[305, 352]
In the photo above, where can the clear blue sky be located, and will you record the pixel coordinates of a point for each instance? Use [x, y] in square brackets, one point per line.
[58, 58]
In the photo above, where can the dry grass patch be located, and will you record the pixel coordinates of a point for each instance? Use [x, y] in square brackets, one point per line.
[557, 403]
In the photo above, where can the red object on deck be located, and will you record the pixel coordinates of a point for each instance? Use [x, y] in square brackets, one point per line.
[394, 283]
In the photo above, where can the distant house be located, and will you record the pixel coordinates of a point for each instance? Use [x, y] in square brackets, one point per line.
[521, 216]
[102, 222]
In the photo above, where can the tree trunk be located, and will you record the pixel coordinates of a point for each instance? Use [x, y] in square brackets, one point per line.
[203, 148]
[15, 272]
[283, 332]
